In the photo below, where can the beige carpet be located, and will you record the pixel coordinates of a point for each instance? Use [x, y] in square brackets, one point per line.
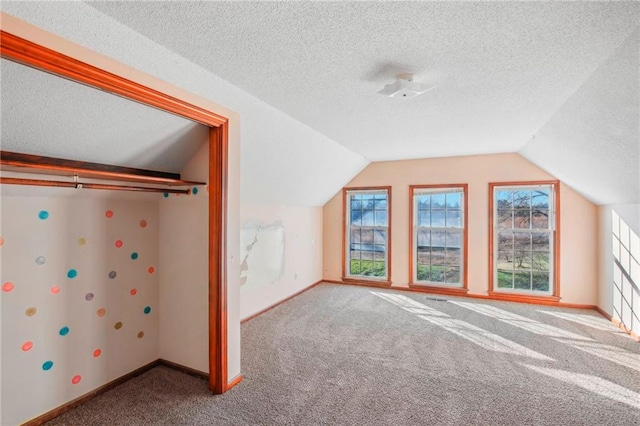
[357, 356]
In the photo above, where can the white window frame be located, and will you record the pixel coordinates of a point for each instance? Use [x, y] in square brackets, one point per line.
[550, 230]
[349, 227]
[427, 190]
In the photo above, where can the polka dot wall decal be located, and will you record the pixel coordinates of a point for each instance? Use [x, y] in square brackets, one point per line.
[31, 311]
[27, 346]
[43, 215]
[89, 297]
[41, 260]
[55, 289]
[101, 312]
[8, 286]
[133, 291]
[118, 243]
[207, 189]
[134, 255]
[165, 195]
[151, 269]
[47, 365]
[64, 331]
[194, 191]
[82, 241]
[143, 223]
[140, 334]
[118, 325]
[76, 379]
[112, 274]
[108, 214]
[97, 353]
[72, 273]
[1, 241]
[147, 309]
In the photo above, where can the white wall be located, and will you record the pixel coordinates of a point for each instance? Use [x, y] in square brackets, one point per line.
[618, 242]
[112, 286]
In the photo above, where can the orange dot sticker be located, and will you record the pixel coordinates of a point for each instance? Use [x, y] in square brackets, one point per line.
[76, 379]
[1, 241]
[55, 289]
[8, 286]
[140, 334]
[151, 269]
[118, 325]
[82, 241]
[31, 311]
[27, 346]
[143, 223]
[108, 214]
[101, 312]
[119, 244]
[133, 291]
[97, 353]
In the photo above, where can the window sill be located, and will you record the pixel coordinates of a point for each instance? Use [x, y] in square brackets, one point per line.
[524, 298]
[360, 281]
[449, 291]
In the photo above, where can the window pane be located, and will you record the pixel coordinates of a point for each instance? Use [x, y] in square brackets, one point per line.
[366, 252]
[505, 241]
[540, 241]
[541, 281]
[423, 201]
[540, 261]
[356, 236]
[438, 239]
[355, 204]
[452, 275]
[438, 218]
[504, 219]
[522, 259]
[454, 200]
[437, 274]
[379, 236]
[355, 267]
[540, 219]
[355, 251]
[452, 257]
[381, 202]
[366, 236]
[454, 239]
[437, 201]
[522, 241]
[379, 269]
[381, 218]
[522, 218]
[424, 239]
[367, 218]
[522, 199]
[424, 218]
[356, 216]
[505, 199]
[540, 199]
[423, 272]
[505, 260]
[522, 280]
[505, 279]
[454, 218]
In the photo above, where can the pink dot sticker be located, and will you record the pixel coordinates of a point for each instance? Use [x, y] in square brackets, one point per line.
[133, 291]
[8, 286]
[27, 346]
[151, 269]
[55, 289]
[143, 223]
[108, 214]
[101, 312]
[76, 379]
[118, 243]
[1, 241]
[97, 353]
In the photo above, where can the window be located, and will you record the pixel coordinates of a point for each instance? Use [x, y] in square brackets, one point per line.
[438, 235]
[523, 238]
[367, 233]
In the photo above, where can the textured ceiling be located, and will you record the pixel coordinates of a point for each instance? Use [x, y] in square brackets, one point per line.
[502, 68]
[47, 115]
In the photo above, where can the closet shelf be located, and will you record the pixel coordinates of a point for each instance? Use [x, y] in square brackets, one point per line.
[36, 164]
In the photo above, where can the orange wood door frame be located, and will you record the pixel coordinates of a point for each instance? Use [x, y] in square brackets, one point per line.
[23, 51]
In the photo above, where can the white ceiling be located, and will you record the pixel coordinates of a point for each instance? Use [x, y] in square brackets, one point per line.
[47, 115]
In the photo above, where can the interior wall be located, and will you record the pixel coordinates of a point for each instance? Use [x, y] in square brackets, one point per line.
[578, 268]
[184, 263]
[619, 262]
[79, 297]
[281, 254]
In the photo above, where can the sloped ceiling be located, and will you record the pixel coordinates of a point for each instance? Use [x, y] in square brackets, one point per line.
[47, 115]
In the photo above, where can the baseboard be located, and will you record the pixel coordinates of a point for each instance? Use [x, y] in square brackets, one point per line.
[234, 381]
[50, 415]
[432, 290]
[250, 317]
[619, 324]
[183, 369]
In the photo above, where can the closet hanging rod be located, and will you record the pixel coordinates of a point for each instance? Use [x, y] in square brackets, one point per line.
[78, 185]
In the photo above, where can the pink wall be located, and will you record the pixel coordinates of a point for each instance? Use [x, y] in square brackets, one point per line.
[578, 276]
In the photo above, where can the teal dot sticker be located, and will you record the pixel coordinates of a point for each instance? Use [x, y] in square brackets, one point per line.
[147, 309]
[64, 331]
[72, 273]
[194, 191]
[47, 365]
[43, 215]
[134, 255]
[165, 195]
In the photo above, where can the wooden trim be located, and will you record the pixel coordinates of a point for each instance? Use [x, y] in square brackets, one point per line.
[268, 308]
[603, 313]
[233, 382]
[37, 164]
[527, 298]
[451, 291]
[465, 237]
[78, 185]
[344, 229]
[50, 415]
[619, 324]
[33, 55]
[183, 369]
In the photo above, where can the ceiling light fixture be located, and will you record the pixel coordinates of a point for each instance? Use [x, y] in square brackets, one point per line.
[404, 87]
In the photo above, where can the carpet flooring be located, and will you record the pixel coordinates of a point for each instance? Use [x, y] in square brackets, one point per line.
[347, 355]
